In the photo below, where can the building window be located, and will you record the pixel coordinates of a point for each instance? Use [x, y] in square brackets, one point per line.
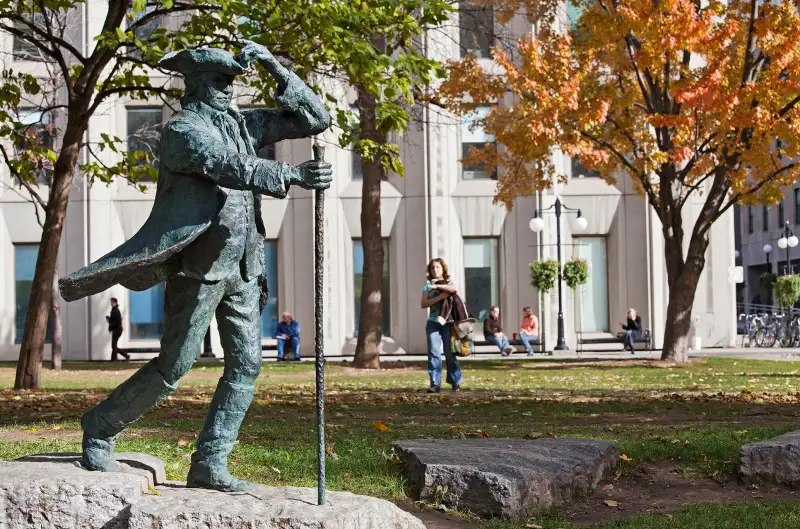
[143, 32]
[23, 49]
[358, 278]
[473, 136]
[749, 219]
[25, 256]
[580, 171]
[147, 313]
[781, 215]
[356, 165]
[481, 273]
[476, 30]
[267, 152]
[37, 130]
[765, 218]
[269, 318]
[144, 133]
[797, 206]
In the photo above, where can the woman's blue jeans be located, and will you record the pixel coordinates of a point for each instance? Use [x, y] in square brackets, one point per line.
[438, 343]
[629, 339]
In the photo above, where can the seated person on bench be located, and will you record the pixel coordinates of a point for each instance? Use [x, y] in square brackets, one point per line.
[288, 334]
[633, 329]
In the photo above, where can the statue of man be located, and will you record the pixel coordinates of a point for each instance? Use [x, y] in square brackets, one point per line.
[204, 237]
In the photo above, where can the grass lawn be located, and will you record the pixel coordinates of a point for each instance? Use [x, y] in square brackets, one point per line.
[673, 422]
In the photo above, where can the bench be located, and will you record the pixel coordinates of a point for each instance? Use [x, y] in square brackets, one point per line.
[156, 350]
[517, 343]
[646, 339]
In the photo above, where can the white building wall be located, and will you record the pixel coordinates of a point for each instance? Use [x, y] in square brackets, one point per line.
[426, 214]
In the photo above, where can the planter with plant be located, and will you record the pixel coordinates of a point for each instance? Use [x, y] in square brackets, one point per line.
[543, 279]
[576, 273]
[787, 290]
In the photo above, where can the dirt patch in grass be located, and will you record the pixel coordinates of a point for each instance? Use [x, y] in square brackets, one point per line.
[33, 435]
[658, 488]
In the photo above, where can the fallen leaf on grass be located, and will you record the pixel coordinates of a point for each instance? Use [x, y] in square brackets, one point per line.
[56, 428]
[457, 427]
[182, 442]
[611, 503]
[624, 457]
[533, 526]
[378, 426]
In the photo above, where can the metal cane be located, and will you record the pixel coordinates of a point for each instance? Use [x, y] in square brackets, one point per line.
[319, 232]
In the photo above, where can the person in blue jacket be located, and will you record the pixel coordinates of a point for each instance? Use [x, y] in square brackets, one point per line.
[288, 333]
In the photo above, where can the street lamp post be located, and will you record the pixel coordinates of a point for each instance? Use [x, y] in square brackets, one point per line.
[787, 240]
[537, 225]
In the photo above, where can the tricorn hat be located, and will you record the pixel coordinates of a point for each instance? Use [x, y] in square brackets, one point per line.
[202, 60]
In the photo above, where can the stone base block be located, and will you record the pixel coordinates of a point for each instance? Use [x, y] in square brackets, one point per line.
[509, 478]
[775, 460]
[49, 495]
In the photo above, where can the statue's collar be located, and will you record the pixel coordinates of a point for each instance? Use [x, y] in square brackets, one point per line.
[206, 110]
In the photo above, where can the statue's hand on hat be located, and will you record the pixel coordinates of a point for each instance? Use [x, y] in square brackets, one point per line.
[253, 51]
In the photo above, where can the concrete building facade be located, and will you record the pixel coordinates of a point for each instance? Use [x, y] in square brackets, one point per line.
[439, 209]
[759, 230]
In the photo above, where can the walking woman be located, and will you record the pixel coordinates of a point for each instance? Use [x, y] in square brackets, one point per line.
[437, 288]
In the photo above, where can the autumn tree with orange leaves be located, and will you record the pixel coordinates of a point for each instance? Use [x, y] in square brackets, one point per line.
[684, 97]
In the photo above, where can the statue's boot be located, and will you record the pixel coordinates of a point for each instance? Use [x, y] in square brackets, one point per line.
[125, 405]
[210, 462]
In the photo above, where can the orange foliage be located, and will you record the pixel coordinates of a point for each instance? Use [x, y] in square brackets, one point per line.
[666, 92]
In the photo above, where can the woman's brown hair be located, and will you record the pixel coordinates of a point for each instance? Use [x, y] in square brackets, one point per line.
[445, 271]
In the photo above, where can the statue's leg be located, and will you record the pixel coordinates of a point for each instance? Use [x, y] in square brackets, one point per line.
[188, 309]
[239, 321]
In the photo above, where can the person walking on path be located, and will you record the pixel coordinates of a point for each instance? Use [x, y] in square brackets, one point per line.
[439, 287]
[115, 328]
[528, 330]
[493, 332]
[288, 331]
[633, 329]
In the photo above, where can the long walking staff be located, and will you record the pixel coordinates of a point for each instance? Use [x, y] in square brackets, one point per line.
[319, 232]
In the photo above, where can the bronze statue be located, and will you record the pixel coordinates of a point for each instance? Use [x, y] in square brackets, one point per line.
[204, 237]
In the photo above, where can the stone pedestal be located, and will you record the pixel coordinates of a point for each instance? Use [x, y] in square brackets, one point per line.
[509, 478]
[775, 460]
[51, 491]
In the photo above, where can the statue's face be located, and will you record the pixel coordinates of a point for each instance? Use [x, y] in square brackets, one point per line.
[216, 90]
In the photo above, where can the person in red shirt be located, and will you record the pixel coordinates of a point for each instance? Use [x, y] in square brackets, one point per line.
[528, 330]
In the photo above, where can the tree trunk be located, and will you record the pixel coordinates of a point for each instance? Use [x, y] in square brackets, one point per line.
[370, 323]
[55, 320]
[683, 278]
[29, 366]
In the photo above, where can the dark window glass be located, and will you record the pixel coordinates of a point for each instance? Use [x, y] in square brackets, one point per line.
[147, 313]
[25, 256]
[358, 279]
[481, 277]
[144, 134]
[797, 206]
[269, 318]
[476, 29]
[474, 136]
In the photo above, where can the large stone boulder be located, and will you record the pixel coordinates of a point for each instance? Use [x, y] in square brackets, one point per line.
[509, 478]
[775, 460]
[45, 494]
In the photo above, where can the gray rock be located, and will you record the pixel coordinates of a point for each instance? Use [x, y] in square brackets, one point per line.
[775, 460]
[509, 478]
[266, 508]
[58, 495]
[145, 465]
[151, 464]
